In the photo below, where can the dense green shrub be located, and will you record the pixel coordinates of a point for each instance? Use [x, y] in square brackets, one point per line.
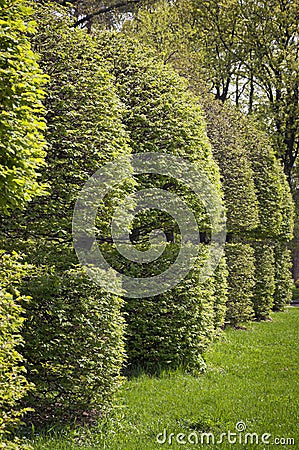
[73, 344]
[21, 111]
[241, 272]
[172, 329]
[162, 116]
[220, 295]
[257, 195]
[276, 216]
[13, 382]
[247, 163]
[237, 177]
[21, 157]
[283, 277]
[258, 198]
[172, 32]
[84, 129]
[276, 208]
[236, 170]
[286, 230]
[264, 280]
[74, 330]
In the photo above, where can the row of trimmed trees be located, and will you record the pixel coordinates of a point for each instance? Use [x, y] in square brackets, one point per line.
[108, 96]
[259, 212]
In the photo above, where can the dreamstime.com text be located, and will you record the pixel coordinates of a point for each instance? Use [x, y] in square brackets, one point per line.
[238, 436]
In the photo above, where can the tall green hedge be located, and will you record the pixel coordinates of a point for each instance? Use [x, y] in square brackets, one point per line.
[258, 198]
[241, 202]
[13, 383]
[283, 277]
[73, 345]
[22, 153]
[237, 174]
[162, 116]
[220, 295]
[276, 215]
[264, 279]
[276, 209]
[84, 124]
[74, 330]
[287, 224]
[241, 282]
[21, 112]
[257, 195]
[173, 329]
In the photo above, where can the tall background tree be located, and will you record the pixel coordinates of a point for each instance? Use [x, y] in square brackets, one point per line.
[248, 52]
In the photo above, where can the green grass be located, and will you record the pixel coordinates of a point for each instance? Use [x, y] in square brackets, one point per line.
[252, 377]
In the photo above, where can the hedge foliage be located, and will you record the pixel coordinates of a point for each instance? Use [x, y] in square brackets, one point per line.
[73, 345]
[22, 153]
[236, 169]
[257, 195]
[264, 280]
[241, 282]
[21, 111]
[74, 330]
[13, 383]
[283, 276]
[108, 96]
[256, 191]
[173, 329]
[220, 283]
[161, 115]
[84, 124]
[276, 208]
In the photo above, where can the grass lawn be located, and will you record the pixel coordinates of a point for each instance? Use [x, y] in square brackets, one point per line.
[252, 380]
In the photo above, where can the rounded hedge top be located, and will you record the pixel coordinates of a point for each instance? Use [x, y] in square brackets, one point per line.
[161, 114]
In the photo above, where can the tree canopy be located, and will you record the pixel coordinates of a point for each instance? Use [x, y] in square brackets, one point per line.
[248, 52]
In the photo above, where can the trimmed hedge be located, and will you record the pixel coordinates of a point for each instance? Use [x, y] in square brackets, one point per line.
[21, 112]
[161, 115]
[73, 345]
[276, 209]
[22, 153]
[264, 280]
[173, 329]
[241, 282]
[286, 231]
[74, 330]
[84, 124]
[283, 277]
[257, 195]
[236, 169]
[220, 295]
[13, 383]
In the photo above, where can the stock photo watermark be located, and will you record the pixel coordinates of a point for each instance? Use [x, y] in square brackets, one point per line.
[193, 178]
[240, 435]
